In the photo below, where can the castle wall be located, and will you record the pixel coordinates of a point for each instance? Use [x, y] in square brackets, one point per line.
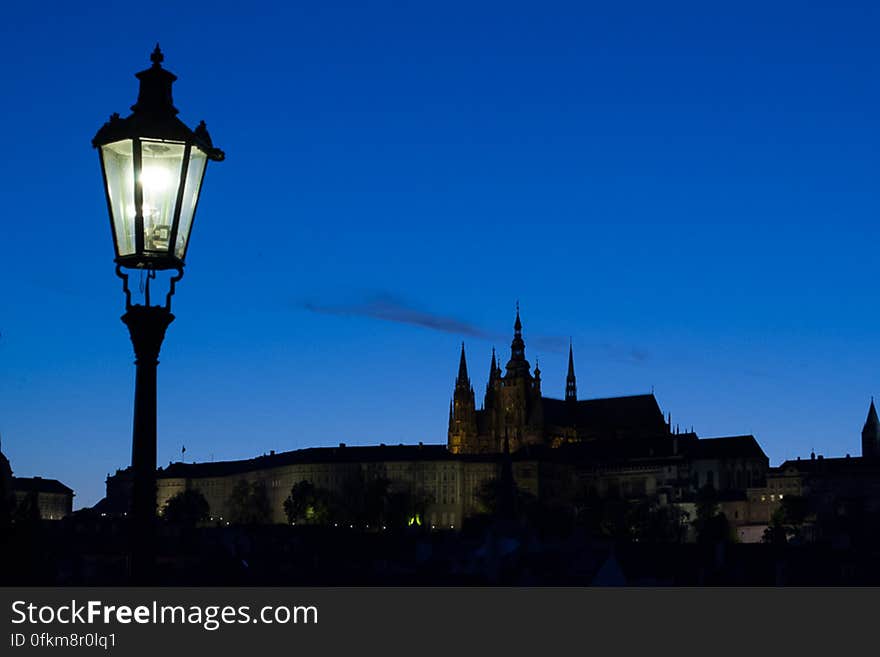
[450, 485]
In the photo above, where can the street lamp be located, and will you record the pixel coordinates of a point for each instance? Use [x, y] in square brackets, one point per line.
[153, 166]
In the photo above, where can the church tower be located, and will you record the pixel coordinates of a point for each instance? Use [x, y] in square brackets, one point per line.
[521, 419]
[462, 412]
[571, 389]
[871, 434]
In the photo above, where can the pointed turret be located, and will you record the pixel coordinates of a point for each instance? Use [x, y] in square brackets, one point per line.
[871, 433]
[571, 393]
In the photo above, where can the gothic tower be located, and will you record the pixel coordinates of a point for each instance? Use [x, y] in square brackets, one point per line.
[462, 412]
[571, 390]
[871, 434]
[520, 417]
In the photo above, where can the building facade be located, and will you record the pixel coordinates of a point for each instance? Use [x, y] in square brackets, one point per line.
[53, 499]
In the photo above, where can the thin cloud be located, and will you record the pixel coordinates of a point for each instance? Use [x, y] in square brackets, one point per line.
[632, 355]
[391, 309]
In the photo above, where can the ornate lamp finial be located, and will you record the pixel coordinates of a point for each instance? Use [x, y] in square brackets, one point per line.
[157, 57]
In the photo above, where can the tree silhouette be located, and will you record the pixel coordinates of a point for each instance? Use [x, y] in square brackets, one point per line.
[376, 497]
[498, 498]
[188, 508]
[787, 520]
[308, 504]
[405, 507]
[249, 504]
[710, 523]
[651, 522]
[375, 503]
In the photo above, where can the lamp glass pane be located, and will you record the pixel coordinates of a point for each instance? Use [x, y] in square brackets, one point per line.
[194, 174]
[119, 178]
[161, 162]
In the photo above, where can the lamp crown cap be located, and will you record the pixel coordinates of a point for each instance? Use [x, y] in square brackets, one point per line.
[156, 56]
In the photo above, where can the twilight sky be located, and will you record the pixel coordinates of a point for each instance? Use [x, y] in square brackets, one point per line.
[690, 191]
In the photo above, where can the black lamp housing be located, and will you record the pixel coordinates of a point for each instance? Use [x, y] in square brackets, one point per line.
[153, 166]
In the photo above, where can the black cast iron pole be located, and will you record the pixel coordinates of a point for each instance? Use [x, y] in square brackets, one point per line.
[146, 325]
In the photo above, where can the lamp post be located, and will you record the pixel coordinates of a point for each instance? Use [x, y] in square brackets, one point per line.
[153, 166]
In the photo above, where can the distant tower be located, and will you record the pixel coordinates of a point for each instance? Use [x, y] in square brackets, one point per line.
[871, 434]
[462, 412]
[494, 381]
[521, 409]
[571, 389]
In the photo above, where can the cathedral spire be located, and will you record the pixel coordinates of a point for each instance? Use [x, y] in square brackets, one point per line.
[494, 376]
[871, 433]
[462, 379]
[463, 414]
[570, 381]
[873, 421]
[518, 365]
[494, 370]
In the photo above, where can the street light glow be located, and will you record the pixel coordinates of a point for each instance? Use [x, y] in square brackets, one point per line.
[155, 179]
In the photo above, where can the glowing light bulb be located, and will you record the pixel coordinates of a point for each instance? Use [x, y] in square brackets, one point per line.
[155, 179]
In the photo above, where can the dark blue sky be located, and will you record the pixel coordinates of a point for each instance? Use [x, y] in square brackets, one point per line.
[690, 191]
